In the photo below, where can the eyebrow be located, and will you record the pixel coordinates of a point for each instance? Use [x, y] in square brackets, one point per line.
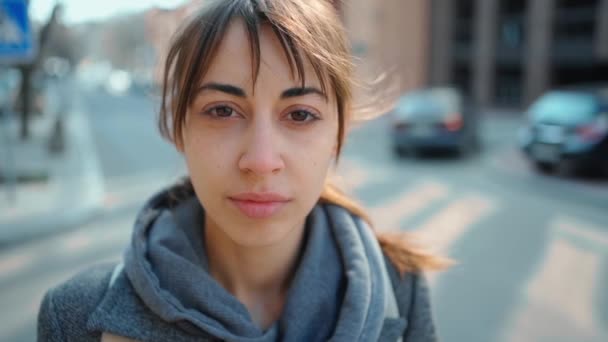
[296, 92]
[224, 88]
[239, 92]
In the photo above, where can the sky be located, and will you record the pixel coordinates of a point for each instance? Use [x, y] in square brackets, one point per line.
[84, 10]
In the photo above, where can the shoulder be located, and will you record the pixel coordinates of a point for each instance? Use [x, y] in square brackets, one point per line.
[65, 309]
[413, 299]
[404, 285]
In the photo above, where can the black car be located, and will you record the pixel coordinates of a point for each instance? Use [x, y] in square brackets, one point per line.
[436, 118]
[567, 125]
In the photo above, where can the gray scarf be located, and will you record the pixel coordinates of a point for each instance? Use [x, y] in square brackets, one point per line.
[339, 291]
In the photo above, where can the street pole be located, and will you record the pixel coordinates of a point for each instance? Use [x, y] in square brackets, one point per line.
[10, 163]
[17, 47]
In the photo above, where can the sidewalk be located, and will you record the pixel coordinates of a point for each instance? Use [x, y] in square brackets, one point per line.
[71, 194]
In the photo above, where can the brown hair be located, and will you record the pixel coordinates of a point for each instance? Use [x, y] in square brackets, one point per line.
[308, 30]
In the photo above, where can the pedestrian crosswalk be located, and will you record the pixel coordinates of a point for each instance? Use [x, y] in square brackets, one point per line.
[454, 220]
[561, 297]
[391, 213]
[560, 300]
[454, 211]
[567, 284]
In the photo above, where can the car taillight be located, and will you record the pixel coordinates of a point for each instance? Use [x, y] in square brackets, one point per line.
[453, 122]
[589, 132]
[595, 130]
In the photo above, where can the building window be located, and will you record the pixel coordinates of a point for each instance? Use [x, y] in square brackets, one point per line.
[463, 25]
[511, 23]
[575, 20]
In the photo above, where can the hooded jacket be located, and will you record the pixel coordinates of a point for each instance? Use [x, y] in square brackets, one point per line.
[344, 289]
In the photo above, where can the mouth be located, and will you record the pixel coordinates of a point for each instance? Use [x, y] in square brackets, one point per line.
[259, 205]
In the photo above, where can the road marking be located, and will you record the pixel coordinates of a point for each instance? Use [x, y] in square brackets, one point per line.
[389, 215]
[566, 282]
[559, 300]
[451, 223]
[594, 236]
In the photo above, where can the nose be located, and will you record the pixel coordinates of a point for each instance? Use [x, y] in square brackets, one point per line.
[261, 153]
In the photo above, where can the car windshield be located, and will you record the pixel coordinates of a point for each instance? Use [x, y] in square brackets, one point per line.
[564, 106]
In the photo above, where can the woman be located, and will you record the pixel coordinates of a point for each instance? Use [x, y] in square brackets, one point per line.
[254, 245]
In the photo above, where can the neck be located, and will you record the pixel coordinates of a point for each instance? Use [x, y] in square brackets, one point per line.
[259, 276]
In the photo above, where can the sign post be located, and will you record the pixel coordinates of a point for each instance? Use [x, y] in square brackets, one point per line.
[16, 47]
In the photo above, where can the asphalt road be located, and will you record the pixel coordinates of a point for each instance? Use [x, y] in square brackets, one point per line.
[531, 250]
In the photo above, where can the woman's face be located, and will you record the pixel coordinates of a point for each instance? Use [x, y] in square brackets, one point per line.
[258, 154]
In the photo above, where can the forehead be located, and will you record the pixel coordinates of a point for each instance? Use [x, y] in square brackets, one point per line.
[233, 60]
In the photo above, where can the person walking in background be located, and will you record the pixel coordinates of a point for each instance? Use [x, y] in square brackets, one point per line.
[255, 244]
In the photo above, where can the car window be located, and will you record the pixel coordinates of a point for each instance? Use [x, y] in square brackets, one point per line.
[564, 106]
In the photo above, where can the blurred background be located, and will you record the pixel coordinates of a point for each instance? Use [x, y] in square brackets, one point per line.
[496, 151]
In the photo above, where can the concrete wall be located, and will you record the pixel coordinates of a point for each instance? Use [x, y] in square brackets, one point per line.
[538, 59]
[484, 60]
[441, 42]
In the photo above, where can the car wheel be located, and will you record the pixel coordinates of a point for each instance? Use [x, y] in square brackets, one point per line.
[416, 153]
[545, 167]
[464, 149]
[399, 151]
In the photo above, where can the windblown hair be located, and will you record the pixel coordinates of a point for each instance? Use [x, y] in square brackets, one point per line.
[308, 30]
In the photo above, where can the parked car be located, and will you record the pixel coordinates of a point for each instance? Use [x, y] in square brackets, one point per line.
[567, 125]
[436, 118]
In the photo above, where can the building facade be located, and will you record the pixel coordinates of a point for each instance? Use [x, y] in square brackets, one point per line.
[501, 53]
[160, 25]
[390, 36]
[508, 52]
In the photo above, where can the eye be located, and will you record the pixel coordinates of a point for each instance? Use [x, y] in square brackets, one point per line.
[220, 111]
[302, 116]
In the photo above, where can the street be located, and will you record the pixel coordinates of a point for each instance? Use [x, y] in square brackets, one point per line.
[531, 250]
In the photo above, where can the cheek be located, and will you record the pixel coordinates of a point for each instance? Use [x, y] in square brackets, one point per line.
[314, 161]
[205, 159]
[320, 157]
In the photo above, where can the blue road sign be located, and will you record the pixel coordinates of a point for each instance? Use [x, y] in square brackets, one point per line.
[16, 38]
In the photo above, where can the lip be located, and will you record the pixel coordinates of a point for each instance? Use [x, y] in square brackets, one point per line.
[259, 205]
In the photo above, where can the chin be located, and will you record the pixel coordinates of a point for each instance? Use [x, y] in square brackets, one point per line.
[262, 234]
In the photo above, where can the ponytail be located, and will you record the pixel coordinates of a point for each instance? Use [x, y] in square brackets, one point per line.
[398, 246]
